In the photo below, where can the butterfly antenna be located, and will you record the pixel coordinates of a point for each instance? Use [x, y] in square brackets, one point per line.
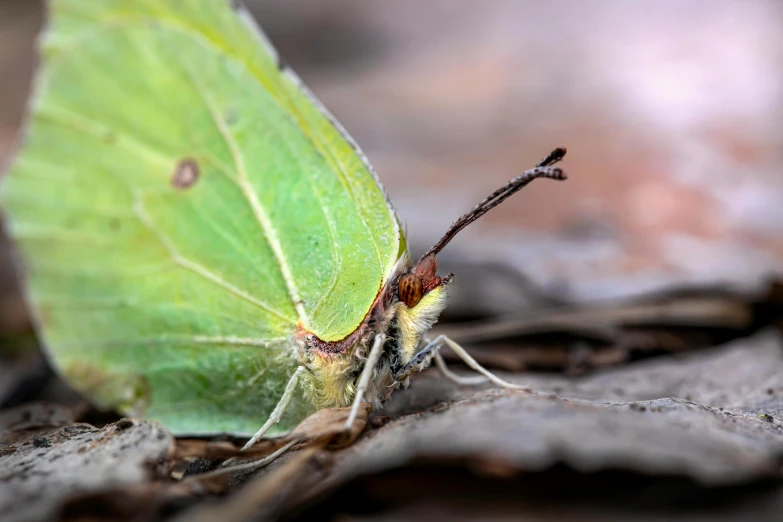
[544, 169]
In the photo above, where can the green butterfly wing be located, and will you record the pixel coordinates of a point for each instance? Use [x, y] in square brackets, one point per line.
[183, 205]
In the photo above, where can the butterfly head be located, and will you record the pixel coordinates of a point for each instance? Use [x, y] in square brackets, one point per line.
[421, 292]
[418, 296]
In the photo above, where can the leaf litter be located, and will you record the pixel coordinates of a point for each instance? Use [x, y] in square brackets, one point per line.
[710, 417]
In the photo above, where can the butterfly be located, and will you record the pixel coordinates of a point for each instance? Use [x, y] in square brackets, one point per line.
[203, 244]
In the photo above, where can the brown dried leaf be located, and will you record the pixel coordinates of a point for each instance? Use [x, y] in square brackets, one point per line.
[695, 418]
[327, 427]
[215, 449]
[323, 429]
[39, 468]
[260, 494]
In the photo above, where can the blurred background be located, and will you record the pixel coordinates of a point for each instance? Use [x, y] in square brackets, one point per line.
[672, 113]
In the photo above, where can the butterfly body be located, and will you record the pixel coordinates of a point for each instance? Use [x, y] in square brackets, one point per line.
[335, 367]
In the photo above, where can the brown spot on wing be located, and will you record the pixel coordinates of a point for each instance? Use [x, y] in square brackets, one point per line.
[185, 174]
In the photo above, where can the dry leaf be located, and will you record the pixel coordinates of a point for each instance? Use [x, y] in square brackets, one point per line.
[327, 426]
[40, 467]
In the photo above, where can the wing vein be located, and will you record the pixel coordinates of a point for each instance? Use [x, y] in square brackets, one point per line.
[258, 210]
[195, 267]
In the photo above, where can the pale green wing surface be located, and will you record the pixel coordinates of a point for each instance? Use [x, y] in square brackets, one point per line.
[182, 207]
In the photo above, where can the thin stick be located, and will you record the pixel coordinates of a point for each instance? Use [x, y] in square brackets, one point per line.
[602, 321]
[544, 169]
[259, 494]
[364, 379]
[243, 467]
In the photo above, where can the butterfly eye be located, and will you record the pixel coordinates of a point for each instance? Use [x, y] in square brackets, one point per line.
[410, 289]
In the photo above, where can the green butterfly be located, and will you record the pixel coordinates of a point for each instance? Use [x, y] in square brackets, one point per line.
[204, 245]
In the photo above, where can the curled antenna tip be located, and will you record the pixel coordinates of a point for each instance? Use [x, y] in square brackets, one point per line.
[553, 157]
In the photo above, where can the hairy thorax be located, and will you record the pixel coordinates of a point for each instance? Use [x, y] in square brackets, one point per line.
[333, 368]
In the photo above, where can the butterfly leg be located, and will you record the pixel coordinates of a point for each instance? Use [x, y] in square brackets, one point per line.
[279, 410]
[453, 377]
[423, 358]
[420, 361]
[364, 378]
[471, 362]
